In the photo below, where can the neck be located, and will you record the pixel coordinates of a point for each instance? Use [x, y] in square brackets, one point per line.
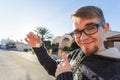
[101, 49]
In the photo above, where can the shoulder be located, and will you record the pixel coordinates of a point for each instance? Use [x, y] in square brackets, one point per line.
[116, 76]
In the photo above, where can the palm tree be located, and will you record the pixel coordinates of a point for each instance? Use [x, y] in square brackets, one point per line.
[44, 33]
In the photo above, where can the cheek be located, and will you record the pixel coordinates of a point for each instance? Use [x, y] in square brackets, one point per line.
[101, 36]
[99, 39]
[78, 42]
[101, 33]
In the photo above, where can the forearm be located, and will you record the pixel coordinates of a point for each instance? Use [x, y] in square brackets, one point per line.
[45, 60]
[65, 76]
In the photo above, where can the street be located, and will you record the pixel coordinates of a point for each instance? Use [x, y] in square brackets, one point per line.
[16, 65]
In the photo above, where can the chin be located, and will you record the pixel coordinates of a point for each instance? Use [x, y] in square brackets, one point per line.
[90, 50]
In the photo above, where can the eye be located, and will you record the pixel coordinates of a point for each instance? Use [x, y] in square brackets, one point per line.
[90, 28]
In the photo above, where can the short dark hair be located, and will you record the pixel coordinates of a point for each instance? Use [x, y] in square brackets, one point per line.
[89, 12]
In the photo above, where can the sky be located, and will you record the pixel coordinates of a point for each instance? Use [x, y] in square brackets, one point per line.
[18, 17]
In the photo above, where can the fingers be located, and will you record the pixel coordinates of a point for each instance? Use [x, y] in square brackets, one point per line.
[64, 57]
[26, 39]
[33, 40]
[30, 35]
[59, 69]
[63, 66]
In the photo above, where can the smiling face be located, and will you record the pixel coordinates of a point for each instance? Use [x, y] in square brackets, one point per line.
[90, 43]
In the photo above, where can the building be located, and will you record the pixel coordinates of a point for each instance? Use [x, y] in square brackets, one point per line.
[65, 40]
[3, 43]
[113, 39]
[20, 46]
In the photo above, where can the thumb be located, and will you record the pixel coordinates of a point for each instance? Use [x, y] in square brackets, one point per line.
[64, 57]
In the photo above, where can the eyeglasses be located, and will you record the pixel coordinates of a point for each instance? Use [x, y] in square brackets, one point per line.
[91, 29]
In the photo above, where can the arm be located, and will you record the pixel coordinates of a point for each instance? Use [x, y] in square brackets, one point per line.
[45, 60]
[65, 76]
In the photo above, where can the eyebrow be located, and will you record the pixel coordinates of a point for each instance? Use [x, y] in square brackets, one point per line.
[86, 25]
[91, 23]
[75, 30]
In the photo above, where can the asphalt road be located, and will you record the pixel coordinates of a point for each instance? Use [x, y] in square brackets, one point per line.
[21, 66]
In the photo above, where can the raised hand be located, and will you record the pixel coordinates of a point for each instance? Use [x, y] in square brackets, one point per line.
[63, 66]
[33, 40]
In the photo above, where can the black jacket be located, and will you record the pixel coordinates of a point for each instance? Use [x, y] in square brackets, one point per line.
[92, 67]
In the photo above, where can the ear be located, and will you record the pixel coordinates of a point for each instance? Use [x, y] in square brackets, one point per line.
[106, 27]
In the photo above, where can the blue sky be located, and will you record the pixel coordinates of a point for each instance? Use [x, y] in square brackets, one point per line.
[18, 17]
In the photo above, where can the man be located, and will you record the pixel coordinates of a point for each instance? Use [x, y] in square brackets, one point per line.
[94, 62]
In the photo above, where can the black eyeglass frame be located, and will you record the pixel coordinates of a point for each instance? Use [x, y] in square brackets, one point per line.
[101, 24]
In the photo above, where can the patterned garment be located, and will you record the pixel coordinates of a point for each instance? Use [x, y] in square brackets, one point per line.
[87, 72]
[75, 62]
[81, 70]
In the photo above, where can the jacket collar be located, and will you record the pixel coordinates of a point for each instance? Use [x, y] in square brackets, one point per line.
[110, 52]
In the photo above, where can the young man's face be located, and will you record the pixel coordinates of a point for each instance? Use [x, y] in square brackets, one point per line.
[91, 43]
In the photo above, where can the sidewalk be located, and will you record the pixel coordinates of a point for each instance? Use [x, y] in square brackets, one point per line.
[21, 66]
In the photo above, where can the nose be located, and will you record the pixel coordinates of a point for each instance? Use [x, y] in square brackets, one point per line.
[83, 36]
